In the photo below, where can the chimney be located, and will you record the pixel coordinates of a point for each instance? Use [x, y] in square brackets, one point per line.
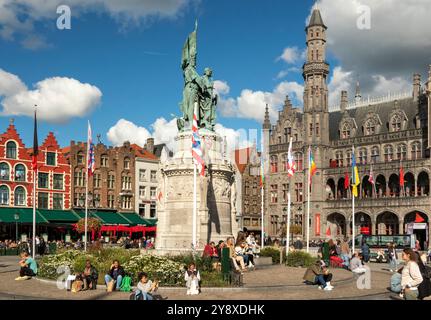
[150, 145]
[416, 86]
[344, 101]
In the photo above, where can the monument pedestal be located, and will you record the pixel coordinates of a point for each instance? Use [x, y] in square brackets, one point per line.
[215, 194]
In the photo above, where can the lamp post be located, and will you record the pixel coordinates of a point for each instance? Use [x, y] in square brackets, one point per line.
[16, 217]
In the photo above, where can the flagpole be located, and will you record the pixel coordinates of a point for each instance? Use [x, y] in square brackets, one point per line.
[33, 249]
[194, 208]
[353, 201]
[86, 204]
[288, 221]
[262, 222]
[308, 201]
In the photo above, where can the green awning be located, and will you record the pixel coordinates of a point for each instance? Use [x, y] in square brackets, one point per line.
[150, 222]
[106, 217]
[135, 219]
[7, 215]
[59, 215]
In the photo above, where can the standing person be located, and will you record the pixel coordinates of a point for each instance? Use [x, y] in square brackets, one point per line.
[392, 257]
[411, 276]
[365, 249]
[192, 278]
[116, 274]
[28, 267]
[345, 253]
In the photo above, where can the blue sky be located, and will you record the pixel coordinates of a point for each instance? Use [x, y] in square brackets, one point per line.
[136, 66]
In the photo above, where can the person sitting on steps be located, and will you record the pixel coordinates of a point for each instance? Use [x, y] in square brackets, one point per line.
[28, 267]
[116, 274]
[319, 274]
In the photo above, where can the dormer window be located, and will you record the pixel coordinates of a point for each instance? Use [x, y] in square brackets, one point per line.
[396, 123]
[369, 127]
[11, 150]
[345, 131]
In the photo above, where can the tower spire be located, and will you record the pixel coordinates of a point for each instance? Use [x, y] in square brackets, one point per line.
[266, 121]
[358, 96]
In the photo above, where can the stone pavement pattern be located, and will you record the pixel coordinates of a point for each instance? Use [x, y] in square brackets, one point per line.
[274, 282]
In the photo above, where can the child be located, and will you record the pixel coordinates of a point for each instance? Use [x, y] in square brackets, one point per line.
[192, 278]
[28, 267]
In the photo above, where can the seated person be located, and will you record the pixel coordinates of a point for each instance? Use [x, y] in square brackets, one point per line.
[319, 274]
[210, 250]
[28, 267]
[240, 252]
[145, 288]
[116, 273]
[192, 278]
[356, 265]
[89, 276]
[396, 281]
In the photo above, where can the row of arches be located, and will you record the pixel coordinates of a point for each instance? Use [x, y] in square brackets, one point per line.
[382, 187]
[19, 172]
[385, 223]
[19, 195]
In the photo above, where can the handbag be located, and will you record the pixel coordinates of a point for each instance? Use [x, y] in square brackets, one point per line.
[77, 286]
[110, 286]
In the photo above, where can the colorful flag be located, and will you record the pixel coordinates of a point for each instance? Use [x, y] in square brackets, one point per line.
[371, 178]
[35, 145]
[346, 181]
[262, 172]
[328, 231]
[291, 167]
[401, 176]
[355, 174]
[311, 165]
[91, 161]
[419, 219]
[196, 146]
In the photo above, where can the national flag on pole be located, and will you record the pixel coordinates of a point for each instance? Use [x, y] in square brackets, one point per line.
[419, 219]
[401, 176]
[291, 167]
[91, 161]
[346, 181]
[355, 174]
[371, 177]
[196, 146]
[262, 172]
[35, 145]
[311, 164]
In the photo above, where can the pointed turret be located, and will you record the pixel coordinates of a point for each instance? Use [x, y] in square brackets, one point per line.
[316, 19]
[266, 121]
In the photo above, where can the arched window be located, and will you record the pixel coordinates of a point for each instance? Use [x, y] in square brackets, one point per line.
[80, 158]
[4, 171]
[298, 161]
[339, 158]
[4, 195]
[19, 196]
[370, 127]
[11, 150]
[416, 151]
[396, 123]
[375, 154]
[274, 164]
[20, 173]
[349, 158]
[401, 152]
[389, 153]
[345, 131]
[363, 156]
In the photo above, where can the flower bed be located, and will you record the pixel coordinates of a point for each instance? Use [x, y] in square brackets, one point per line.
[168, 270]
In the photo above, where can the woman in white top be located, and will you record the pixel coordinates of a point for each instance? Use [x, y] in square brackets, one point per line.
[411, 276]
[192, 278]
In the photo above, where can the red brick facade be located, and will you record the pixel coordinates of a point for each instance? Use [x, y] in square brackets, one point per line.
[16, 174]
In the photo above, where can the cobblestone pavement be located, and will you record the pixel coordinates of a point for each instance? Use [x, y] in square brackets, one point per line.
[274, 282]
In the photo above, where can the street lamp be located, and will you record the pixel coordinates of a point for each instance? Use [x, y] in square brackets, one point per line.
[16, 217]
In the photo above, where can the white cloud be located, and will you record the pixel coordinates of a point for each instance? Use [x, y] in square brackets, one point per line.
[164, 131]
[290, 55]
[58, 99]
[282, 74]
[18, 17]
[340, 80]
[125, 130]
[251, 104]
[221, 87]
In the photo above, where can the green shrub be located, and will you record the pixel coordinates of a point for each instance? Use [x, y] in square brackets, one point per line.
[202, 263]
[300, 259]
[272, 252]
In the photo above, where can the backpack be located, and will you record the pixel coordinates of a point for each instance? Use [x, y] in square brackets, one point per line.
[126, 284]
[136, 296]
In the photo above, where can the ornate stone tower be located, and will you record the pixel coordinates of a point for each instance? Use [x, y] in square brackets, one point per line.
[428, 91]
[316, 115]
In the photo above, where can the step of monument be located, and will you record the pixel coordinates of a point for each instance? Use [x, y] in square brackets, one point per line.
[263, 261]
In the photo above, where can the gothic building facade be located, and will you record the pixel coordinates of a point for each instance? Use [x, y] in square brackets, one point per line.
[390, 138]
